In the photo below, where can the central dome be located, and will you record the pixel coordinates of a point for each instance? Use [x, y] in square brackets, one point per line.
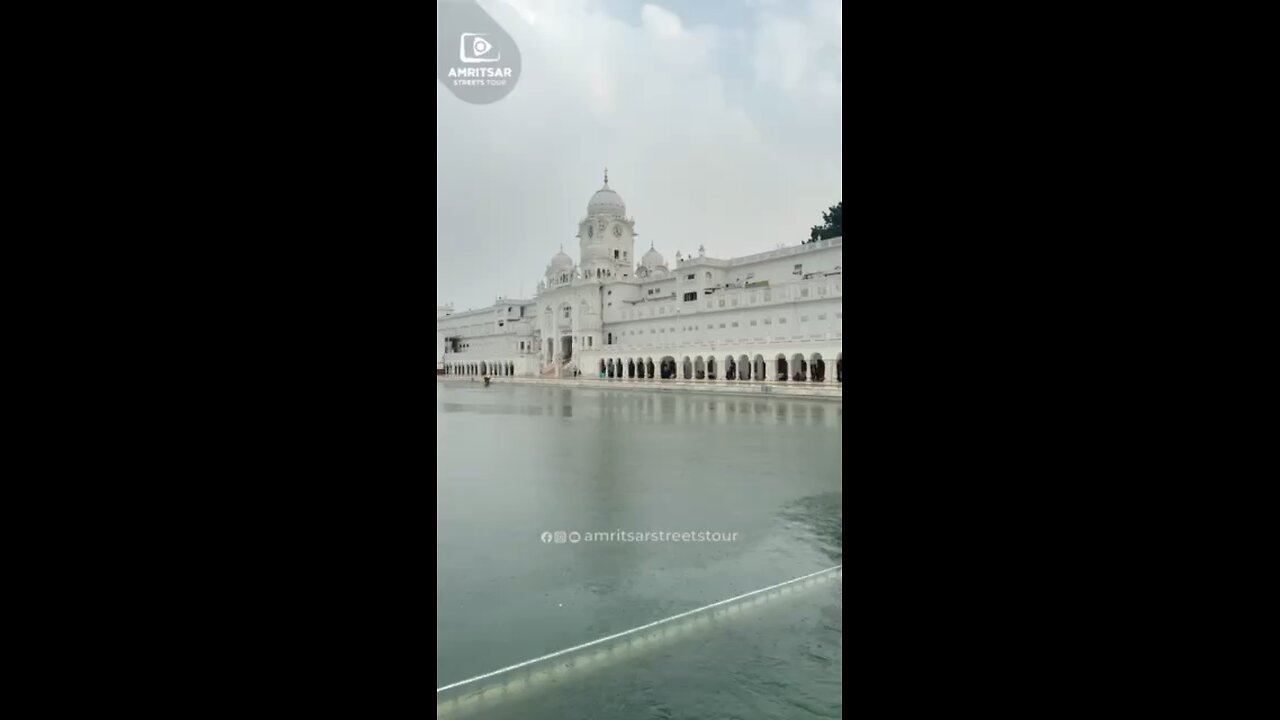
[606, 201]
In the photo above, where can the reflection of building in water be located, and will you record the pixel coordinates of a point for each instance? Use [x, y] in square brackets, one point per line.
[775, 315]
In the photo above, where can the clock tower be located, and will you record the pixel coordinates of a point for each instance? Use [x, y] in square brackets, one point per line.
[607, 236]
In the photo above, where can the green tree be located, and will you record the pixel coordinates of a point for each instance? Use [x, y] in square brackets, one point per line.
[832, 224]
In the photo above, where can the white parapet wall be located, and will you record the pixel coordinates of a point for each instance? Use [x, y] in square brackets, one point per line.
[825, 391]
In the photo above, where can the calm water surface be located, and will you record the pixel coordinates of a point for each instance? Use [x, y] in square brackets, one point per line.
[516, 461]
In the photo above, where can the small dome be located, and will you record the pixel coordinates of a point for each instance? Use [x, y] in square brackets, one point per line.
[653, 259]
[606, 201]
[561, 262]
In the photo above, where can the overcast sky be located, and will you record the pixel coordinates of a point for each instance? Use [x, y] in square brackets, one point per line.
[719, 121]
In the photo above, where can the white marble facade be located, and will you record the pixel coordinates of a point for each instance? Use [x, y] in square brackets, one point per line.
[770, 316]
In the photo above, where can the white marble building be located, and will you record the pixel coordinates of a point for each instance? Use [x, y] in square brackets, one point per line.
[773, 316]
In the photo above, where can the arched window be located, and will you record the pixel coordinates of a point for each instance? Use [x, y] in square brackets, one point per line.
[708, 276]
[566, 312]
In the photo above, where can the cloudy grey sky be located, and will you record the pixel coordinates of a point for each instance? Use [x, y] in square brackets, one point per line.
[719, 121]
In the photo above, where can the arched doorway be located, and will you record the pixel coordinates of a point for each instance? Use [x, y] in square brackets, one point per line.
[631, 368]
[817, 368]
[744, 367]
[730, 368]
[840, 367]
[799, 369]
[758, 370]
[711, 368]
[603, 367]
[667, 368]
[649, 368]
[780, 365]
[699, 369]
[688, 368]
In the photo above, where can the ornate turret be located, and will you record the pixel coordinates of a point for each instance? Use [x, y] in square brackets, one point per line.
[606, 236]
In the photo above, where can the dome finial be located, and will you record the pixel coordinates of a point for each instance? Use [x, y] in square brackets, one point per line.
[606, 176]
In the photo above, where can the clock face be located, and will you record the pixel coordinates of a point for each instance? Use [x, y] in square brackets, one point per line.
[617, 231]
[591, 231]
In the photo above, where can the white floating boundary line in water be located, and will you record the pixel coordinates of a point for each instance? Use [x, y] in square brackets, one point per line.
[615, 636]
